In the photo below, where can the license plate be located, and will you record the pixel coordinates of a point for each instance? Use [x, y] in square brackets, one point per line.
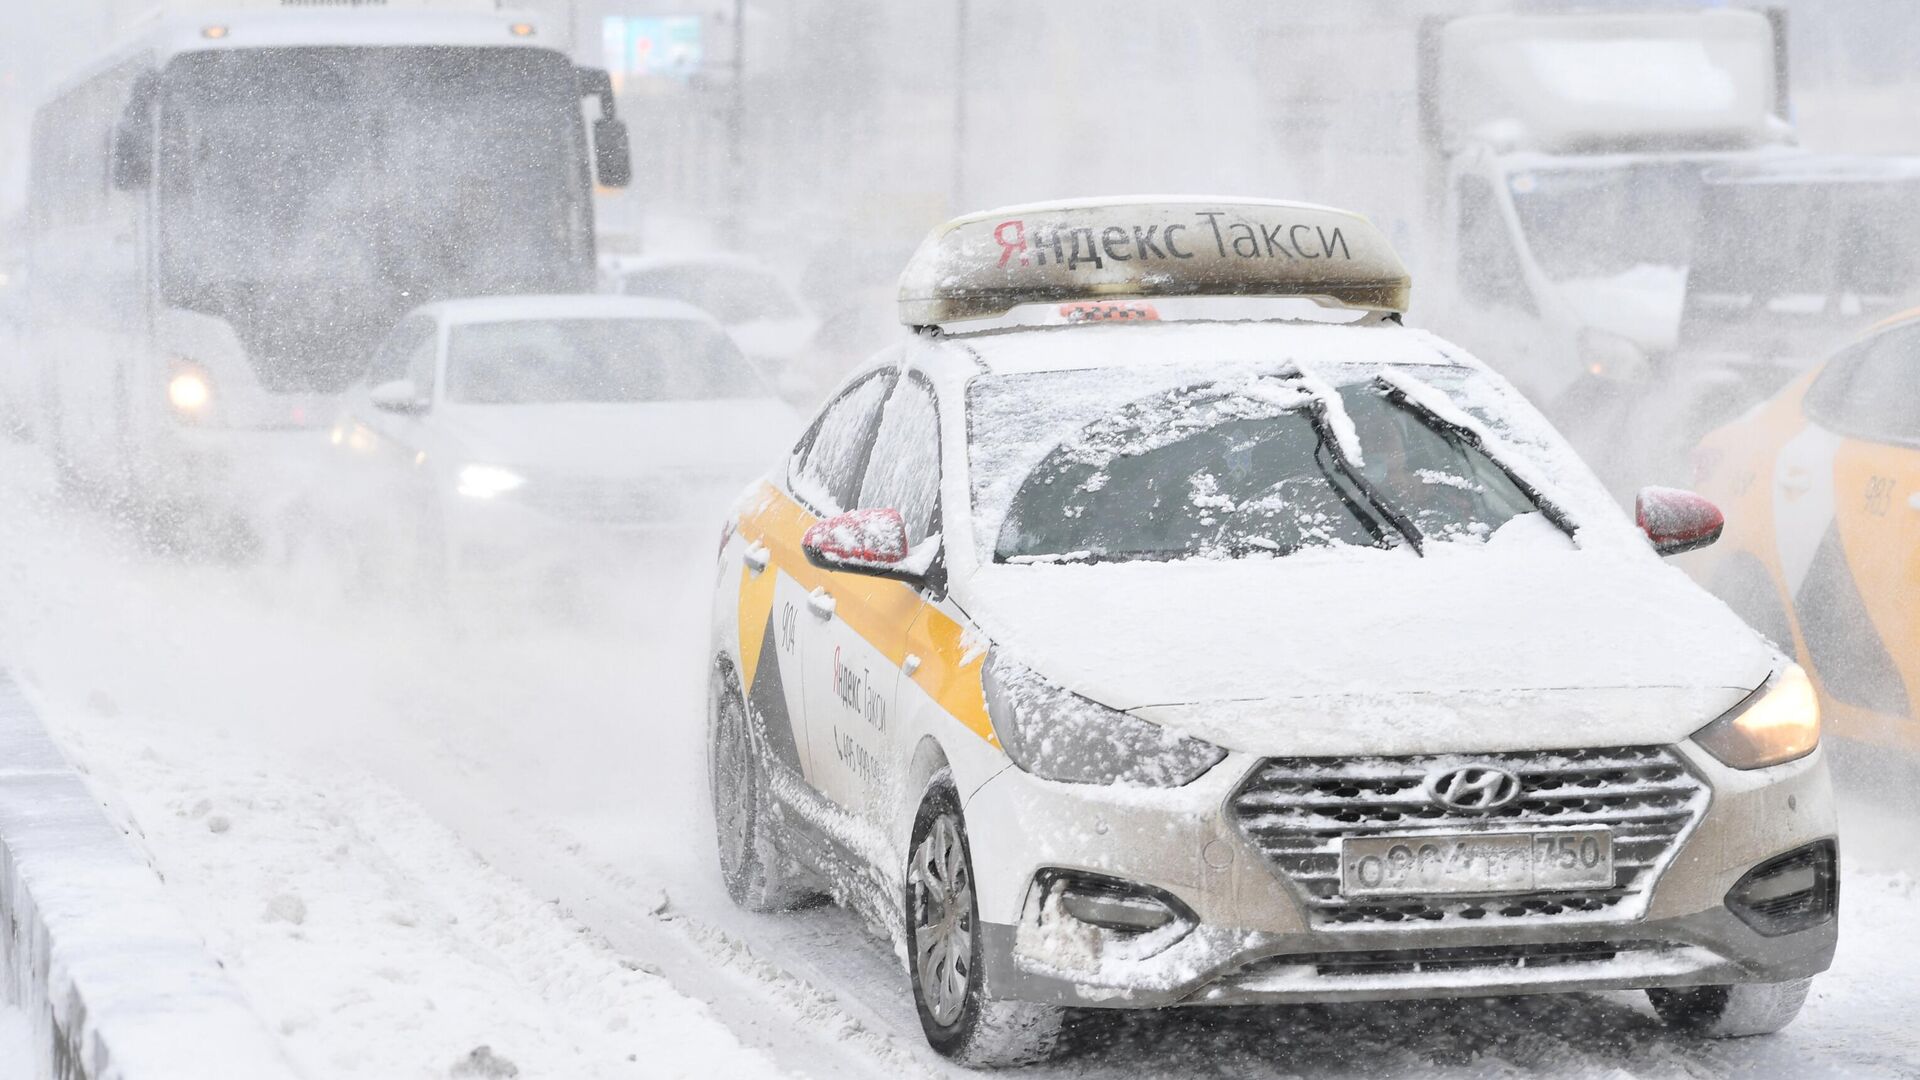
[1476, 863]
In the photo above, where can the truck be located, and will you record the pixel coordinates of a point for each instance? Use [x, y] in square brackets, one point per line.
[227, 210]
[1541, 172]
[1565, 161]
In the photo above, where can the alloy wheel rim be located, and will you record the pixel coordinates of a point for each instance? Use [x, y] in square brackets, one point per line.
[943, 921]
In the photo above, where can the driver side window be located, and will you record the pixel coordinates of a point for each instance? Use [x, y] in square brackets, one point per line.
[421, 364]
[1869, 392]
[1489, 268]
[827, 466]
[904, 473]
[396, 351]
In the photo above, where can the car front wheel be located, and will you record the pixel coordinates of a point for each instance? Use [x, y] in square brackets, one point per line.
[757, 873]
[1730, 1012]
[944, 952]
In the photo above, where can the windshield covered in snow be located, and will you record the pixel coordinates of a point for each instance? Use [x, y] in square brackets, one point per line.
[594, 360]
[1822, 240]
[310, 196]
[1447, 487]
[1222, 469]
[1604, 223]
[732, 294]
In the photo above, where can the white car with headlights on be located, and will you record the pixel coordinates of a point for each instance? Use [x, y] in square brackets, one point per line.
[505, 435]
[1113, 653]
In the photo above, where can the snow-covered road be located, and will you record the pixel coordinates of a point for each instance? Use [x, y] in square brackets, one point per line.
[407, 845]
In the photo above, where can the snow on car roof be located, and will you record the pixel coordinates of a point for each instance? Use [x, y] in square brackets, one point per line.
[488, 309]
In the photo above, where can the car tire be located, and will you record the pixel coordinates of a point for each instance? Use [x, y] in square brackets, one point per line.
[944, 951]
[758, 874]
[1731, 1012]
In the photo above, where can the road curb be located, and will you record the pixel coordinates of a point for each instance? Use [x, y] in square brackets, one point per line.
[115, 983]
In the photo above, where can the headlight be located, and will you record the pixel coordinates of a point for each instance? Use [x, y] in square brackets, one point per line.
[1058, 735]
[188, 391]
[486, 481]
[1776, 723]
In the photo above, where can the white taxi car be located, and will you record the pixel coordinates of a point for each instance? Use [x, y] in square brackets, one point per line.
[1112, 658]
[493, 434]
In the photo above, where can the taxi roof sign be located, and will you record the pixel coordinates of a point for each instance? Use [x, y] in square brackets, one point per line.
[984, 265]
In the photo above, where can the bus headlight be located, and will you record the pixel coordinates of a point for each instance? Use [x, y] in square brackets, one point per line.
[1056, 734]
[188, 391]
[1775, 724]
[486, 481]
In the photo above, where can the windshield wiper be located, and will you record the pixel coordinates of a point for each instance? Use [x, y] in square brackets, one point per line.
[1330, 444]
[1447, 428]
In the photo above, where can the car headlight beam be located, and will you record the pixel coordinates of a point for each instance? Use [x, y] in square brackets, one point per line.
[486, 481]
[189, 391]
[1058, 735]
[1774, 725]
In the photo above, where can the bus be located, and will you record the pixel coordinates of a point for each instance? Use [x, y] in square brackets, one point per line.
[228, 211]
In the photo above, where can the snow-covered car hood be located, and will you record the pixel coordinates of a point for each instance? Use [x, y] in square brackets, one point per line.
[718, 439]
[1384, 652]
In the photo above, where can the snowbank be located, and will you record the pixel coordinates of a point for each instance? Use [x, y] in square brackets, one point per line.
[111, 981]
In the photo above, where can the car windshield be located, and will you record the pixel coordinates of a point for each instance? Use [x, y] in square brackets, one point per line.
[1822, 239]
[1230, 469]
[310, 196]
[1432, 474]
[555, 361]
[732, 294]
[1584, 224]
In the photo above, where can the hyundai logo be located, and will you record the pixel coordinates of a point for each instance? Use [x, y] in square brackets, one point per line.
[1473, 788]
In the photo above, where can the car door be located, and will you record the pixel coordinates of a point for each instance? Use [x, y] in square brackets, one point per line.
[1847, 514]
[823, 477]
[854, 669]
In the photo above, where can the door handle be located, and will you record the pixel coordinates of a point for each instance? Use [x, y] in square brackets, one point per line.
[820, 603]
[1795, 479]
[757, 557]
[1913, 501]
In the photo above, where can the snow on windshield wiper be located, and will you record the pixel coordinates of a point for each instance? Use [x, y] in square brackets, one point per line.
[1438, 412]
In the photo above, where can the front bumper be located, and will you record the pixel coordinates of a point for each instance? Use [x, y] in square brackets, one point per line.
[1254, 939]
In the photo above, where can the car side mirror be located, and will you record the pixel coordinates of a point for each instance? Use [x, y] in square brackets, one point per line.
[861, 542]
[130, 152]
[612, 153]
[612, 150]
[1677, 521]
[399, 396]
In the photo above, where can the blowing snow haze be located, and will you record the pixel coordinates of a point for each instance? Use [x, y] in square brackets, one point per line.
[560, 540]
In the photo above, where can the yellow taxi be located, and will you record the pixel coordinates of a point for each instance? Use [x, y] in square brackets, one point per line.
[1821, 551]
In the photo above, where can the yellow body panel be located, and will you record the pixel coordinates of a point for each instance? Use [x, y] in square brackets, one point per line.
[891, 616]
[1875, 503]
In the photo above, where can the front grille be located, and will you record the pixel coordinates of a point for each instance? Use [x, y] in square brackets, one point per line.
[1429, 961]
[1296, 810]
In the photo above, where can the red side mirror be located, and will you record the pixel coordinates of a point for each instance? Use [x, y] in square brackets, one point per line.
[859, 540]
[1677, 521]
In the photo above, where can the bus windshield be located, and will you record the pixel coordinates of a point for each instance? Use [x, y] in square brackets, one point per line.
[310, 196]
